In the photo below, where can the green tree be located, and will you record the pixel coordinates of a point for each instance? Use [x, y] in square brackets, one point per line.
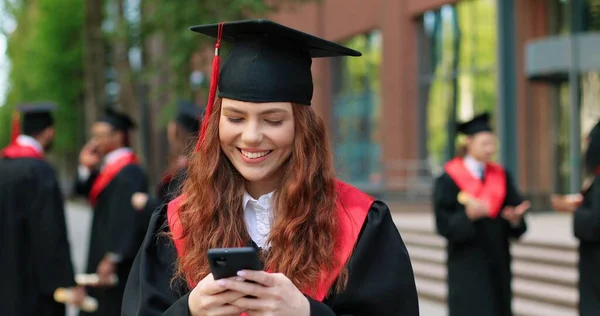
[46, 63]
[67, 51]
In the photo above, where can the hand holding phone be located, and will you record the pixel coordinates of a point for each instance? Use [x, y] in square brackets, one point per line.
[208, 297]
[226, 262]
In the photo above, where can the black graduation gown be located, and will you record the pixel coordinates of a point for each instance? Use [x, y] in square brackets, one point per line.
[35, 257]
[479, 275]
[381, 280]
[115, 229]
[586, 227]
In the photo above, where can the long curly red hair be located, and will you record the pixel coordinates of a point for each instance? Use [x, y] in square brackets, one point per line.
[303, 236]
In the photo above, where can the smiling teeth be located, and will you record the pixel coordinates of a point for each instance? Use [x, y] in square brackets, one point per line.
[255, 155]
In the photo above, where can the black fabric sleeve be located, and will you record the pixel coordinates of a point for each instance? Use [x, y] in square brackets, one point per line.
[123, 216]
[381, 279]
[83, 188]
[451, 219]
[586, 219]
[513, 198]
[150, 290]
[48, 234]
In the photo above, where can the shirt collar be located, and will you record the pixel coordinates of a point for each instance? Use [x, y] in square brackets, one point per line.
[116, 155]
[25, 140]
[474, 165]
[264, 200]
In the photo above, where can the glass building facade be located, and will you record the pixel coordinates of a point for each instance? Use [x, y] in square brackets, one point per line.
[356, 112]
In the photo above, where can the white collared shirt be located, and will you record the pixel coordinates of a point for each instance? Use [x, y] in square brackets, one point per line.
[115, 155]
[84, 172]
[259, 216]
[25, 140]
[476, 168]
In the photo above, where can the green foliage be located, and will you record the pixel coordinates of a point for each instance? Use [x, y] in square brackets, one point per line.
[46, 63]
[475, 74]
[46, 49]
[173, 19]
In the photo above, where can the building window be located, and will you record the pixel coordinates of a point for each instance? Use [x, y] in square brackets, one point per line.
[592, 15]
[356, 95]
[457, 71]
[588, 12]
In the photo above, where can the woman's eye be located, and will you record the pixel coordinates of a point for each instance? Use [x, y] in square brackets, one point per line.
[274, 122]
[235, 119]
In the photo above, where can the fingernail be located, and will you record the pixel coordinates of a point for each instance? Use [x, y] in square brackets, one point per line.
[221, 282]
[241, 273]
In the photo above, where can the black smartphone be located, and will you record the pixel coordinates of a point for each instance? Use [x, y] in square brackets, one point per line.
[226, 262]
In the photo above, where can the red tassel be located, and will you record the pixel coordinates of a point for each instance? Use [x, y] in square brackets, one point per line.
[213, 86]
[16, 127]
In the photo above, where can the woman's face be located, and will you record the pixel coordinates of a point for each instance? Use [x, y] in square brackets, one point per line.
[257, 138]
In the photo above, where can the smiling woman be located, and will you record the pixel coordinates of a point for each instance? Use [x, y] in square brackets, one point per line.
[263, 176]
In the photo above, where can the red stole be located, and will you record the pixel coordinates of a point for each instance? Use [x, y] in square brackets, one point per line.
[107, 174]
[16, 150]
[492, 191]
[352, 210]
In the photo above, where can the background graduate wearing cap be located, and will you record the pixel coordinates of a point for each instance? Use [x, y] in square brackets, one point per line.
[263, 176]
[182, 134]
[478, 209]
[109, 174]
[35, 258]
[585, 207]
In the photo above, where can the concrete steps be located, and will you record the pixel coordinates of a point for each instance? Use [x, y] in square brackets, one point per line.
[544, 273]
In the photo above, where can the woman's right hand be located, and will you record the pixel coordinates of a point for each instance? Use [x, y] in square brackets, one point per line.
[210, 299]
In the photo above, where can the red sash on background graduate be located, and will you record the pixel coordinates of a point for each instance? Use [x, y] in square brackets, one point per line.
[492, 191]
[108, 173]
[353, 207]
[16, 150]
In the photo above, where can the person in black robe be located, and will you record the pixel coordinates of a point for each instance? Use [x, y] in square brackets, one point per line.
[35, 257]
[265, 78]
[585, 208]
[109, 174]
[182, 133]
[381, 277]
[478, 224]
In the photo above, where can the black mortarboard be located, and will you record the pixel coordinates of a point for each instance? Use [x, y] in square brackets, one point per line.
[479, 123]
[189, 116]
[118, 121]
[36, 117]
[269, 62]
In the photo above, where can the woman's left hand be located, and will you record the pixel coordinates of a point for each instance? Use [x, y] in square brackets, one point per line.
[274, 294]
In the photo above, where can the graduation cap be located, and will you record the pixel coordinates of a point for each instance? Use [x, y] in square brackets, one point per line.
[268, 62]
[479, 123]
[189, 116]
[36, 117]
[118, 121]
